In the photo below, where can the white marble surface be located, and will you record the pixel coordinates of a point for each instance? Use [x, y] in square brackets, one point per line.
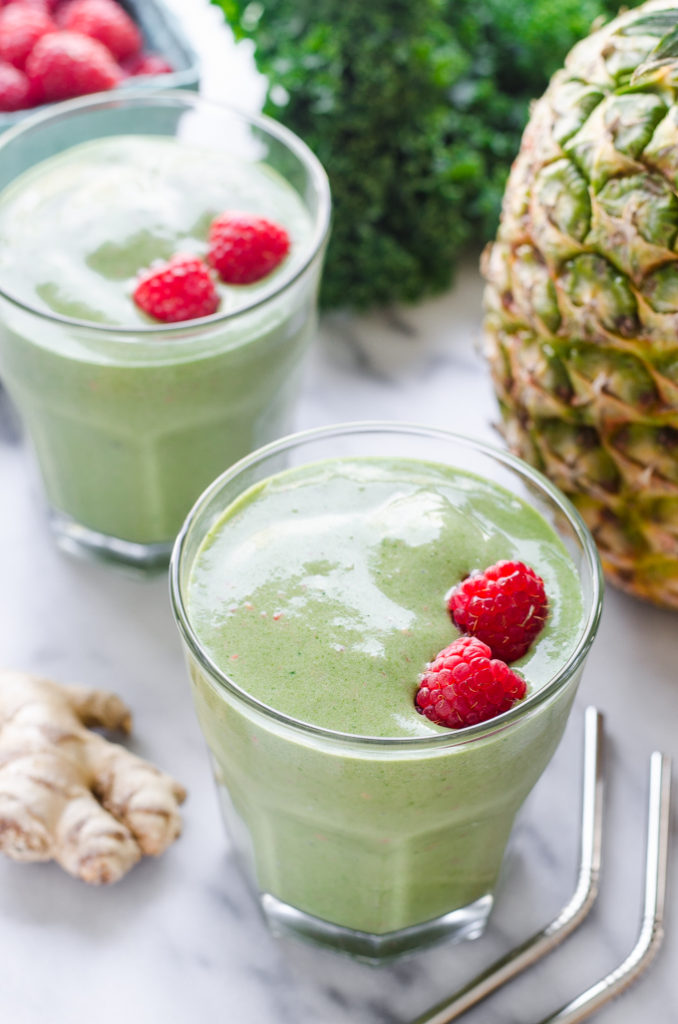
[180, 940]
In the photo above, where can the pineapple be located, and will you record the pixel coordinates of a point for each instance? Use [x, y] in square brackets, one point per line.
[581, 323]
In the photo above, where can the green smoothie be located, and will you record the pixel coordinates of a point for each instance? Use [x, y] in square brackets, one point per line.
[321, 593]
[130, 424]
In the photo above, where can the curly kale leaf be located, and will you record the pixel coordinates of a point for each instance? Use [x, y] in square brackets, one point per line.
[416, 112]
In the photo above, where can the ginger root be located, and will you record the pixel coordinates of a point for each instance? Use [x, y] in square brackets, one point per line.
[68, 794]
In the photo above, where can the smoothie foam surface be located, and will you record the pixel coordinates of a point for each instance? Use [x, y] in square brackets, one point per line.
[77, 228]
[321, 591]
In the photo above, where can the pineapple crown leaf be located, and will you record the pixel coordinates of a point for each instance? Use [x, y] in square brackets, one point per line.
[656, 24]
[665, 53]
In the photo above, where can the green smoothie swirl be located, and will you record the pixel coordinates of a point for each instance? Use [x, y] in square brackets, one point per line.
[321, 591]
[76, 229]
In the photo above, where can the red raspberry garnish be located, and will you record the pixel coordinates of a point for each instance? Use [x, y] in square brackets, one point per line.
[66, 64]
[244, 248]
[179, 289]
[105, 21]
[14, 89]
[20, 28]
[147, 64]
[464, 685]
[45, 5]
[505, 606]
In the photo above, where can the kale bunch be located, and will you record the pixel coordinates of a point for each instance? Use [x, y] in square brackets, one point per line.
[416, 111]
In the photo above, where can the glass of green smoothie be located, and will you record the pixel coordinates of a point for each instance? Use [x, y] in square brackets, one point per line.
[131, 418]
[309, 585]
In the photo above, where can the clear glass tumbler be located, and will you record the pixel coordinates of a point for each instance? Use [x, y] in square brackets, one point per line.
[419, 859]
[130, 424]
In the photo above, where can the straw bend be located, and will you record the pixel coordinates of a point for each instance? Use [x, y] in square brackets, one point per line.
[652, 925]
[574, 911]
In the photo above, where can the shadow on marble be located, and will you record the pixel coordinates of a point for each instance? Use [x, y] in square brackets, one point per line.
[411, 341]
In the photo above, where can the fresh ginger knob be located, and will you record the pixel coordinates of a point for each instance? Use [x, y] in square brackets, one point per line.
[70, 795]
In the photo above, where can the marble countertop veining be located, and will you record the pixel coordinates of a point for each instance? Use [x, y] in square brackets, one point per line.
[180, 940]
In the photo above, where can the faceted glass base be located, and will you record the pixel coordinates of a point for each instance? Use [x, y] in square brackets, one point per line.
[99, 547]
[458, 926]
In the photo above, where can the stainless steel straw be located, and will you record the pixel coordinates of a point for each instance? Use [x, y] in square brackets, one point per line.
[652, 925]
[574, 911]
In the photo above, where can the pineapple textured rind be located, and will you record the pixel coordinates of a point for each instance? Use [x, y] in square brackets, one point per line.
[581, 321]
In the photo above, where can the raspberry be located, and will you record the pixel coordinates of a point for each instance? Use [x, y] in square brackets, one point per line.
[47, 5]
[42, 5]
[14, 89]
[66, 64]
[20, 28]
[464, 685]
[105, 21]
[179, 289]
[244, 248]
[148, 64]
[505, 606]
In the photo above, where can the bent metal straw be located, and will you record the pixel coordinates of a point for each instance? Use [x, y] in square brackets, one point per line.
[652, 925]
[574, 911]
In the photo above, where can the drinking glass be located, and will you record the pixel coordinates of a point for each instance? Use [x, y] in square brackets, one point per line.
[130, 424]
[376, 845]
